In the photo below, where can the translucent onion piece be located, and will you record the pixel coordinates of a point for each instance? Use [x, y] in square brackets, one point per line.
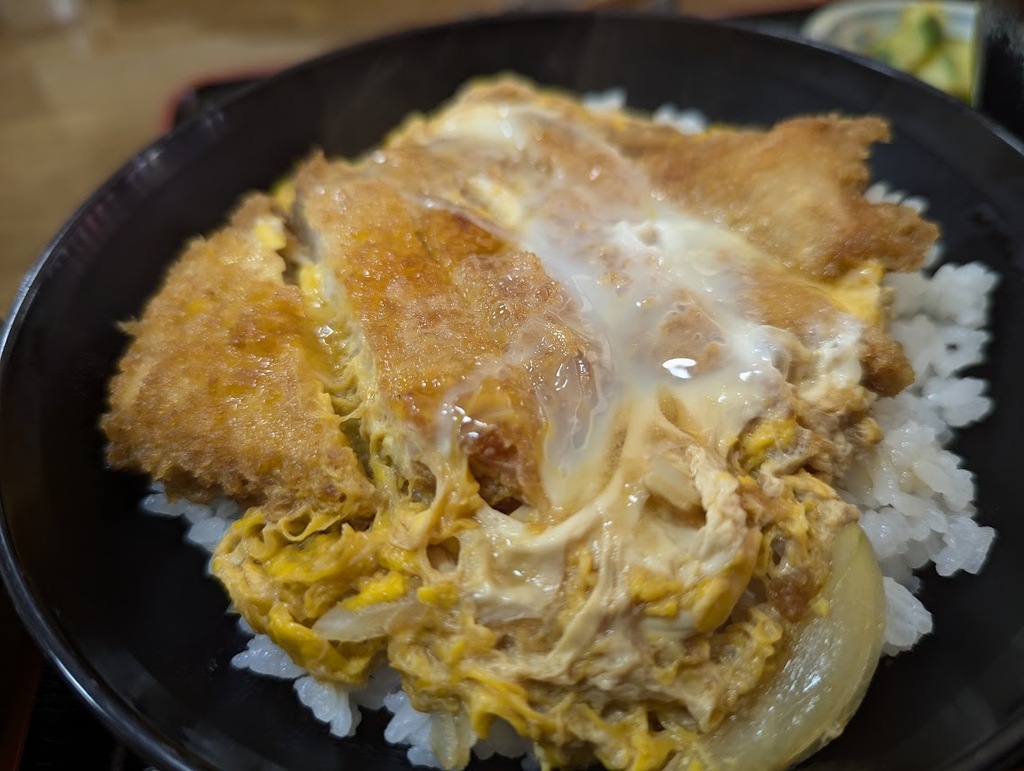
[368, 623]
[827, 670]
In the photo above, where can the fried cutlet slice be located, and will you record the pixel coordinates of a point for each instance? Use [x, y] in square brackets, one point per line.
[220, 391]
[454, 321]
[794, 191]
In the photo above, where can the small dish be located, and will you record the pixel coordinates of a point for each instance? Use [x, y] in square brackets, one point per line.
[933, 41]
[852, 25]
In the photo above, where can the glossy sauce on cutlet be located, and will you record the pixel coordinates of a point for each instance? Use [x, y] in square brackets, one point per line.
[661, 294]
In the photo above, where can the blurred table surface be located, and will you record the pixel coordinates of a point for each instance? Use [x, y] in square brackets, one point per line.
[78, 97]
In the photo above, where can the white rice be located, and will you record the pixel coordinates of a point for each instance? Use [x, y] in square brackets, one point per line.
[916, 499]
[688, 121]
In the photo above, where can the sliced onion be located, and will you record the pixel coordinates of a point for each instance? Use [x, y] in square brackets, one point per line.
[342, 625]
[827, 670]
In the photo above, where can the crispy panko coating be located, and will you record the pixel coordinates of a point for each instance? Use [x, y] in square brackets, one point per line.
[796, 191]
[221, 392]
[439, 300]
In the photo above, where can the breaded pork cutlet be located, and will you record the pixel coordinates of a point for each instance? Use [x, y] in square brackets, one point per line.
[544, 406]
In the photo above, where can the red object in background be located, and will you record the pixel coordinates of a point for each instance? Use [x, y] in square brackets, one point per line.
[194, 97]
[20, 663]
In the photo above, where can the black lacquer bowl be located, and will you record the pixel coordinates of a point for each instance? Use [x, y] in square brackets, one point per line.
[122, 606]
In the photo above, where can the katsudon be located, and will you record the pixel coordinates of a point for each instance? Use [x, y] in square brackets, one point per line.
[545, 408]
